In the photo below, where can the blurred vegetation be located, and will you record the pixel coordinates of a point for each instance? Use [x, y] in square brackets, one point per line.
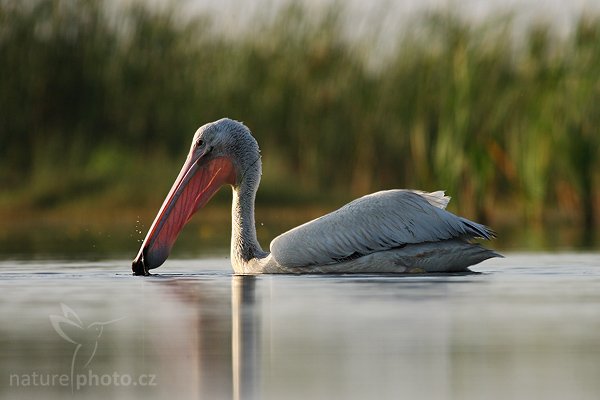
[97, 107]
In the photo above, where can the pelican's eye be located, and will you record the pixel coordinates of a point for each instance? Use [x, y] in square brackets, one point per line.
[199, 143]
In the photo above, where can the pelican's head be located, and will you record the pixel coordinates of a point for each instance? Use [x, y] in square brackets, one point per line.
[222, 153]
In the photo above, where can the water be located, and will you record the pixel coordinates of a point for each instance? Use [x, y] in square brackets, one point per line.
[525, 327]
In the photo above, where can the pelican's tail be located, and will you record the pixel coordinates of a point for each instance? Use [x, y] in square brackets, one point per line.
[475, 230]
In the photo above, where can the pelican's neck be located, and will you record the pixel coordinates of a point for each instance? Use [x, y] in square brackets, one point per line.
[244, 244]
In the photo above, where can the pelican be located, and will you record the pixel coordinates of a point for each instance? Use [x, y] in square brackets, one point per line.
[391, 231]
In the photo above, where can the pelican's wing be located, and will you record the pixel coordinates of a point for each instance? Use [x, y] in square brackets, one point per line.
[376, 222]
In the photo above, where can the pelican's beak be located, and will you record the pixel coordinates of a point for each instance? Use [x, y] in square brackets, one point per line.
[199, 179]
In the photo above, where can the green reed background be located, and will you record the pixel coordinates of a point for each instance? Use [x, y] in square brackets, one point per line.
[98, 107]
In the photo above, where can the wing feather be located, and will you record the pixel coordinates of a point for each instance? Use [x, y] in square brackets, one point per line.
[376, 222]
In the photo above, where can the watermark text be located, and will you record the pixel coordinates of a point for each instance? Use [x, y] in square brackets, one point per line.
[81, 380]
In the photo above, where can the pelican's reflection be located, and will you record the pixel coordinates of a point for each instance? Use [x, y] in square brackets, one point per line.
[245, 334]
[226, 332]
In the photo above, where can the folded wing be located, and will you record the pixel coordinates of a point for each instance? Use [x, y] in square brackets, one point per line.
[376, 222]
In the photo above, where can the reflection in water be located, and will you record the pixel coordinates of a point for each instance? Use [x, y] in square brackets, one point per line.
[526, 327]
[245, 335]
[221, 376]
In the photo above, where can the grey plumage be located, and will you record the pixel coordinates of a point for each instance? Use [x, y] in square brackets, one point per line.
[391, 231]
[373, 223]
[387, 231]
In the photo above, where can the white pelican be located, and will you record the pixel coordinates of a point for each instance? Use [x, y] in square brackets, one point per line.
[392, 231]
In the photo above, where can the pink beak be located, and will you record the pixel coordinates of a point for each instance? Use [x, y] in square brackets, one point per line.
[197, 182]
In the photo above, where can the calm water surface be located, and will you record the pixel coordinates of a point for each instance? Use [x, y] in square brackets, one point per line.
[526, 327]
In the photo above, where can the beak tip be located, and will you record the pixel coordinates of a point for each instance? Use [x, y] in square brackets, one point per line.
[148, 259]
[138, 266]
